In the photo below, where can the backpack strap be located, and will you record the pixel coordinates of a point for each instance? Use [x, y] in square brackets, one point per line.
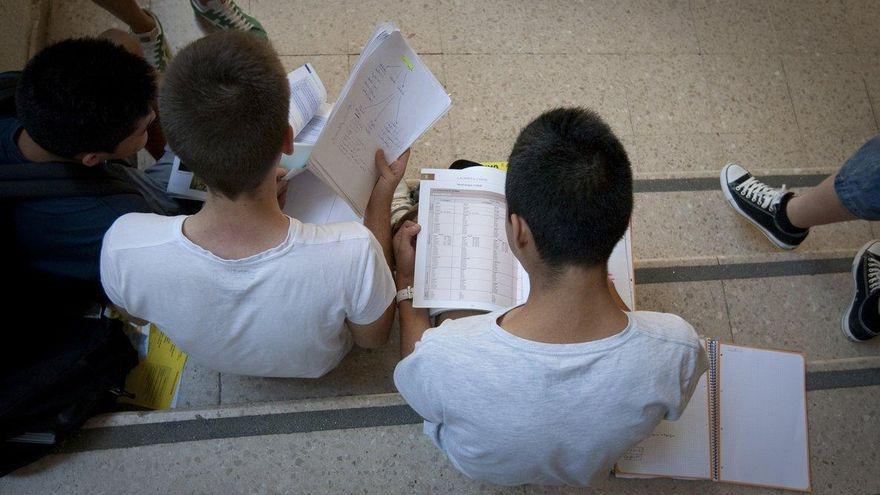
[50, 180]
[57, 180]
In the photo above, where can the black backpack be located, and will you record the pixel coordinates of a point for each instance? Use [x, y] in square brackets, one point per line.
[63, 360]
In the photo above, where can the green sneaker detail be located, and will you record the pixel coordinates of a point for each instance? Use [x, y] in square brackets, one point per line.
[154, 45]
[226, 14]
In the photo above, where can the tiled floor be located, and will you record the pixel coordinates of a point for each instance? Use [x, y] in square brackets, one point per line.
[788, 87]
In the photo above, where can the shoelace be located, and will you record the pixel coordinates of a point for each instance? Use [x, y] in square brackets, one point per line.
[761, 194]
[873, 270]
[155, 54]
[233, 14]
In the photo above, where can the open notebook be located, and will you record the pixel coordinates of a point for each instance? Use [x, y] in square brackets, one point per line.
[463, 260]
[746, 423]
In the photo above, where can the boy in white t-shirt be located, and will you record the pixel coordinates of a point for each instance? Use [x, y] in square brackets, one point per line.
[240, 286]
[555, 390]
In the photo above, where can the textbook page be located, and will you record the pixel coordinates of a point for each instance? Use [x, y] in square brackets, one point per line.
[676, 449]
[309, 200]
[462, 257]
[307, 94]
[390, 100]
[304, 142]
[763, 418]
[620, 270]
[182, 183]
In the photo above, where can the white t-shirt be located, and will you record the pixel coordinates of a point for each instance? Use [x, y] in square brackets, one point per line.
[513, 411]
[277, 313]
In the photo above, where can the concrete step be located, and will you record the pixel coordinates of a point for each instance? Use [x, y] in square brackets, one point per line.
[373, 444]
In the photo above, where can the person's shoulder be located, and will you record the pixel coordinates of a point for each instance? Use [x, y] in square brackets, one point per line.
[137, 230]
[665, 327]
[461, 332]
[334, 233]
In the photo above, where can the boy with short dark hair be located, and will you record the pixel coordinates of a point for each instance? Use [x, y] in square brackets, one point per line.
[555, 390]
[240, 286]
[88, 103]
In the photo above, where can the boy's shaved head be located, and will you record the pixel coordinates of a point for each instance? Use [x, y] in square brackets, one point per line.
[569, 177]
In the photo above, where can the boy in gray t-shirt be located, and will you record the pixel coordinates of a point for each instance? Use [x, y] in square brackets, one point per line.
[555, 390]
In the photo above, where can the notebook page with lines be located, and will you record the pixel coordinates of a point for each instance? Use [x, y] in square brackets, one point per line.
[763, 418]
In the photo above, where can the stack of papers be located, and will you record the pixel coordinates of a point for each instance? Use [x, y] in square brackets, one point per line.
[390, 99]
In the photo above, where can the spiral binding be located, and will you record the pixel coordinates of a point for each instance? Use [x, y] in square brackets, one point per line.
[714, 433]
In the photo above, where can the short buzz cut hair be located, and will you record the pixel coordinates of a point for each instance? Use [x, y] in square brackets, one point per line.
[569, 178]
[224, 110]
[84, 95]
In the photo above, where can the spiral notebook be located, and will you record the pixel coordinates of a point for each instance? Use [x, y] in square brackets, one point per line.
[746, 424]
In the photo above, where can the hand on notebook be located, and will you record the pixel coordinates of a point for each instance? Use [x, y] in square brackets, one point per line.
[281, 182]
[405, 253]
[389, 174]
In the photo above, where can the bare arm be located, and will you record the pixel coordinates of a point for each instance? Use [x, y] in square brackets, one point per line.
[413, 321]
[377, 219]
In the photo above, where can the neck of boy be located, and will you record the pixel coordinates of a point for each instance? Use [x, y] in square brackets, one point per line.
[574, 306]
[236, 229]
[33, 152]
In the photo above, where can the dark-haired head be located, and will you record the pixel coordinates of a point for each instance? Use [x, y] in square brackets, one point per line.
[224, 106]
[86, 96]
[569, 180]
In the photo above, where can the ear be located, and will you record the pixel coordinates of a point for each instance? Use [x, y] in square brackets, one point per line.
[288, 141]
[520, 232]
[91, 159]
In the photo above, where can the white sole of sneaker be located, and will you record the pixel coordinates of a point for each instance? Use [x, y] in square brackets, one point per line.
[729, 196]
[844, 321]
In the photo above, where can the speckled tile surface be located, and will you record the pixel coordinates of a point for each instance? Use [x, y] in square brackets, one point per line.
[420, 22]
[811, 26]
[199, 386]
[77, 18]
[796, 313]
[14, 37]
[734, 27]
[843, 440]
[863, 17]
[761, 152]
[700, 223]
[308, 27]
[363, 371]
[669, 94]
[701, 304]
[495, 95]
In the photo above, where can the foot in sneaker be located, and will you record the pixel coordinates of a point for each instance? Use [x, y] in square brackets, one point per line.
[402, 202]
[154, 45]
[762, 205]
[861, 321]
[226, 14]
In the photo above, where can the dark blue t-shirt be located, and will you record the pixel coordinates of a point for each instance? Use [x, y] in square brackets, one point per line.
[62, 236]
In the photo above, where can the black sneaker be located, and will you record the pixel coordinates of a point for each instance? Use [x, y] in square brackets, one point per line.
[759, 204]
[861, 321]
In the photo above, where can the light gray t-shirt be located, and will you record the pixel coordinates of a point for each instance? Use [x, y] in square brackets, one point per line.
[512, 411]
